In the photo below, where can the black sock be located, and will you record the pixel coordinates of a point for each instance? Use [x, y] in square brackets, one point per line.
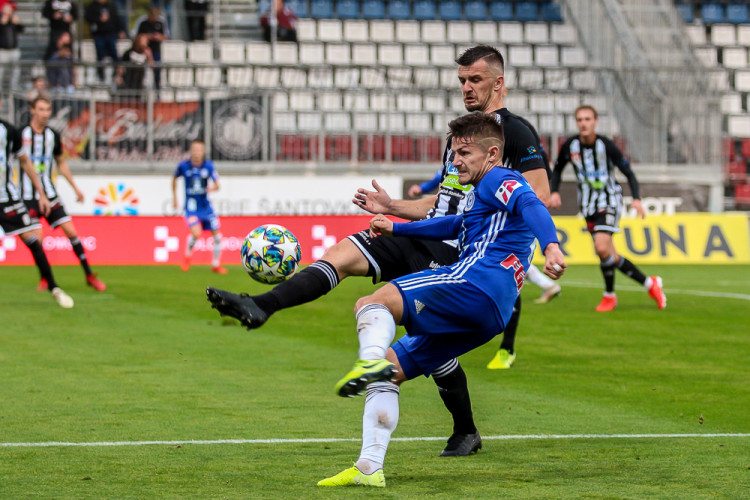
[78, 249]
[307, 285]
[608, 271]
[41, 261]
[509, 334]
[455, 394]
[629, 269]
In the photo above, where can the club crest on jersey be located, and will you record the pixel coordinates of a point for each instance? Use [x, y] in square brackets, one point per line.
[469, 201]
[505, 191]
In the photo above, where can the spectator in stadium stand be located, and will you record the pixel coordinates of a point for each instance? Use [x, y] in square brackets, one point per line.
[154, 26]
[106, 26]
[286, 27]
[131, 74]
[594, 159]
[39, 88]
[482, 84]
[61, 14]
[60, 72]
[44, 147]
[10, 54]
[196, 11]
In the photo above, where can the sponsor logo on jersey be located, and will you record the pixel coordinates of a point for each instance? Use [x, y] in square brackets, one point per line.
[505, 191]
[434, 265]
[418, 306]
[531, 150]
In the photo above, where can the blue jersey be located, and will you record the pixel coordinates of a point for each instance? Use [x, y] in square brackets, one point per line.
[496, 232]
[196, 184]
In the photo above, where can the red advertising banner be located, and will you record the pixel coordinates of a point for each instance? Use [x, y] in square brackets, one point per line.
[162, 240]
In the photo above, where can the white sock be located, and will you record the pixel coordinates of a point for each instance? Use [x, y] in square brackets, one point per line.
[647, 284]
[217, 250]
[190, 245]
[379, 420]
[376, 329]
[538, 278]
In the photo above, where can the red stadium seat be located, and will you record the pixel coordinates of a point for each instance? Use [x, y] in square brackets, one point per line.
[372, 147]
[736, 170]
[742, 195]
[746, 148]
[727, 150]
[428, 149]
[339, 147]
[291, 147]
[402, 148]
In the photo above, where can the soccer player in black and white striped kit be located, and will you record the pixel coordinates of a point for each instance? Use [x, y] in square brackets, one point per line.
[44, 148]
[594, 159]
[14, 218]
[480, 73]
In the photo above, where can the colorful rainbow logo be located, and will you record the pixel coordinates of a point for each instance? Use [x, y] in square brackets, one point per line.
[116, 200]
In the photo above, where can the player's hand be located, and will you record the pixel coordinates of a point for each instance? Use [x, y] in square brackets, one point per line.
[380, 225]
[638, 207]
[375, 202]
[554, 202]
[415, 191]
[79, 196]
[44, 206]
[554, 265]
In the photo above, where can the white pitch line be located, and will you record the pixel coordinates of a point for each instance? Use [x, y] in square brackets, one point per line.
[48, 444]
[630, 288]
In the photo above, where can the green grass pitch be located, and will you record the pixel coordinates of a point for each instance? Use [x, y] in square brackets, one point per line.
[148, 360]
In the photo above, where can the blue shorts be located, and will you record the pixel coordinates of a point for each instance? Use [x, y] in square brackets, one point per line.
[206, 218]
[444, 320]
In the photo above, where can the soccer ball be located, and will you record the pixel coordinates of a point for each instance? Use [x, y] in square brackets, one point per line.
[270, 253]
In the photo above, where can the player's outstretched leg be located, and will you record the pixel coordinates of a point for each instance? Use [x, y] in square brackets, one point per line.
[454, 391]
[40, 258]
[241, 307]
[506, 354]
[654, 286]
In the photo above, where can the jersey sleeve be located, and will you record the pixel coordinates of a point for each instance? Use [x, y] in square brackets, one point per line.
[212, 171]
[178, 172]
[16, 141]
[563, 158]
[505, 189]
[437, 228]
[522, 149]
[618, 160]
[57, 149]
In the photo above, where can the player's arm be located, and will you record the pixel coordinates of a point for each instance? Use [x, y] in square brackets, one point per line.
[65, 171]
[214, 186]
[174, 192]
[380, 202]
[30, 171]
[438, 228]
[426, 186]
[537, 217]
[619, 160]
[538, 180]
[563, 158]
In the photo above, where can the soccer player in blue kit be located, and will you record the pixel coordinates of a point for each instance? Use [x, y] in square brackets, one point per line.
[453, 309]
[201, 178]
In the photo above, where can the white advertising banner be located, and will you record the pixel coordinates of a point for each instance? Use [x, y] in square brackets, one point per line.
[239, 195]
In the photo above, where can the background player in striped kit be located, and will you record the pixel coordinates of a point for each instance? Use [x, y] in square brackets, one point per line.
[44, 148]
[14, 218]
[480, 73]
[453, 309]
[594, 158]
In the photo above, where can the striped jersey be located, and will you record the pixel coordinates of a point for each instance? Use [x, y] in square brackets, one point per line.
[594, 166]
[42, 149]
[10, 146]
[523, 152]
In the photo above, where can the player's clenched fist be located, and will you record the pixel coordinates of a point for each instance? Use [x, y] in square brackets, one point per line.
[380, 225]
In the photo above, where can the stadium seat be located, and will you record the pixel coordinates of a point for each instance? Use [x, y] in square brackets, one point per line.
[239, 77]
[485, 31]
[520, 55]
[208, 77]
[712, 13]
[200, 52]
[501, 11]
[685, 10]
[739, 125]
[742, 81]
[729, 149]
[231, 52]
[723, 35]
[433, 32]
[372, 78]
[347, 9]
[330, 30]
[409, 101]
[266, 77]
[527, 11]
[449, 10]
[401, 145]
[743, 35]
[346, 78]
[735, 57]
[536, 33]
[746, 148]
[321, 9]
[398, 9]
[399, 77]
[311, 53]
[551, 12]
[390, 54]
[258, 53]
[557, 79]
[173, 51]
[371, 147]
[356, 30]
[563, 34]
[417, 54]
[737, 14]
[298, 6]
[286, 53]
[364, 54]
[418, 123]
[329, 101]
[737, 170]
[696, 33]
[373, 9]
[511, 32]
[546, 55]
[742, 194]
[572, 57]
[442, 55]
[338, 54]
[426, 78]
[408, 31]
[428, 148]
[459, 32]
[424, 10]
[294, 78]
[382, 30]
[320, 78]
[434, 102]
[475, 10]
[338, 147]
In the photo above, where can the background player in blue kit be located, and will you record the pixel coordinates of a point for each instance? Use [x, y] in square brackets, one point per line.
[201, 178]
[453, 309]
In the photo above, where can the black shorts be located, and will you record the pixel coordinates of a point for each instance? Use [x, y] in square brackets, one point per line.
[57, 214]
[391, 258]
[606, 220]
[15, 219]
